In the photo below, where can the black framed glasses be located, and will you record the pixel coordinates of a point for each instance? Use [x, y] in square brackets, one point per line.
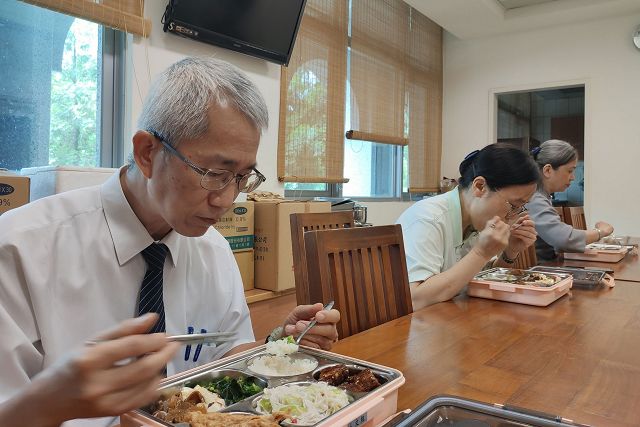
[217, 179]
[514, 210]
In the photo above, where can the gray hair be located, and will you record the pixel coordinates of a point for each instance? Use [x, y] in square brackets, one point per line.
[555, 152]
[179, 99]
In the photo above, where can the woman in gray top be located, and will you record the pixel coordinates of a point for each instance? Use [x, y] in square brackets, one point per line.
[557, 161]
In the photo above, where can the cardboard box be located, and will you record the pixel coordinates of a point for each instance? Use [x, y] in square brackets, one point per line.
[245, 264]
[273, 251]
[49, 180]
[14, 190]
[237, 226]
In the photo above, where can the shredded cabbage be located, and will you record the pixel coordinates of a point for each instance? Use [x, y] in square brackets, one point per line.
[306, 404]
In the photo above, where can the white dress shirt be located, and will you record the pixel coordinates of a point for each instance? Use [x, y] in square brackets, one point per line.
[432, 234]
[70, 267]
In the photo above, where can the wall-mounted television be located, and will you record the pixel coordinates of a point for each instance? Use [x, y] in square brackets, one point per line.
[263, 28]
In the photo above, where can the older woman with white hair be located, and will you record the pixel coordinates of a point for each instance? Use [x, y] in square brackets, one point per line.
[557, 161]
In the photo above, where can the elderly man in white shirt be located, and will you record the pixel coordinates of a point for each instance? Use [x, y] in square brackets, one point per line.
[77, 263]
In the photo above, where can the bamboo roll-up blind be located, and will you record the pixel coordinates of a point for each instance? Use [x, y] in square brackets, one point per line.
[125, 15]
[424, 92]
[377, 68]
[364, 136]
[312, 97]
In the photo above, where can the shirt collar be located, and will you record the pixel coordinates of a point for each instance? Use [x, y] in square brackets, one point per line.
[544, 193]
[129, 236]
[455, 210]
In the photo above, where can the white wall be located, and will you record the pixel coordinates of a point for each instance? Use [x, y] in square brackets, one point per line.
[150, 56]
[598, 54]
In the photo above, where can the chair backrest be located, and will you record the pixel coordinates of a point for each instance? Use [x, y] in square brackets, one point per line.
[574, 216]
[363, 270]
[560, 211]
[301, 223]
[527, 258]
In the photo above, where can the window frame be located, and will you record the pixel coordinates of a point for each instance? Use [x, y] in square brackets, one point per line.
[110, 101]
[112, 98]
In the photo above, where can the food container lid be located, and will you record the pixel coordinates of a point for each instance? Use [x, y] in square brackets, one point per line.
[457, 411]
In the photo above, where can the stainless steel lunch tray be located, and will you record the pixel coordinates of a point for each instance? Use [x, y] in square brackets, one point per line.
[587, 278]
[504, 275]
[389, 378]
[457, 411]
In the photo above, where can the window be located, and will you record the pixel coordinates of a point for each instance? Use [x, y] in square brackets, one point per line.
[374, 169]
[60, 89]
[371, 70]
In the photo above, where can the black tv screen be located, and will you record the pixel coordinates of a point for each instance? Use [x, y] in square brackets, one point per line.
[263, 28]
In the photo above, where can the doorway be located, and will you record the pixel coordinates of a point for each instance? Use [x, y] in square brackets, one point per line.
[527, 119]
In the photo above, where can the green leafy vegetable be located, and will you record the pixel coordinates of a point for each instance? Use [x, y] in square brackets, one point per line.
[233, 390]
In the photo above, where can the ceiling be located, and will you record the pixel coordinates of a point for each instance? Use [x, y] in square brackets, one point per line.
[513, 4]
[468, 19]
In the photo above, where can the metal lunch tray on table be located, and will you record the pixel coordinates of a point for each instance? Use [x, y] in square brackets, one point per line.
[588, 278]
[378, 404]
[457, 411]
[515, 276]
[507, 284]
[600, 253]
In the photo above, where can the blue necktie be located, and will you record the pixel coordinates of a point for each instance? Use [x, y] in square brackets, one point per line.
[150, 300]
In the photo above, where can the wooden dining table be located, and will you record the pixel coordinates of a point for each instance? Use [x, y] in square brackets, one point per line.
[578, 357]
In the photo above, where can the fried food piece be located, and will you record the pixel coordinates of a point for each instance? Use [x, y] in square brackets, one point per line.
[361, 382]
[174, 408]
[334, 375]
[217, 419]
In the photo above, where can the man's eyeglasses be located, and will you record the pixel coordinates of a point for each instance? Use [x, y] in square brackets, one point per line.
[217, 179]
[514, 210]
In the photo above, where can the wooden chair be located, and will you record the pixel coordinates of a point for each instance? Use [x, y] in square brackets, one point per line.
[363, 270]
[560, 211]
[301, 223]
[527, 258]
[574, 216]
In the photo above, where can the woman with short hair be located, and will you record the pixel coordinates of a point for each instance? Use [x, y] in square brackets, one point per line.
[557, 161]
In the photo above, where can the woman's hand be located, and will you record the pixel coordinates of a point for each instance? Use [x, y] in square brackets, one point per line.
[522, 235]
[105, 379]
[606, 229]
[493, 238]
[323, 334]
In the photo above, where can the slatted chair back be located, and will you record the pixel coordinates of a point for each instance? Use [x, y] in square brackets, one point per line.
[527, 258]
[363, 270]
[574, 216]
[301, 223]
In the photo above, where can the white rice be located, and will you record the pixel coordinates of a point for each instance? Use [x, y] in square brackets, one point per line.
[279, 366]
[281, 347]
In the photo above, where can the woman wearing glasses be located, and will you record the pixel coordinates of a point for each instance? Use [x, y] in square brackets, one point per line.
[449, 238]
[557, 161]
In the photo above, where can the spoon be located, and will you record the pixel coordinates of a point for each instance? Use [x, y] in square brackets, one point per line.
[311, 324]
